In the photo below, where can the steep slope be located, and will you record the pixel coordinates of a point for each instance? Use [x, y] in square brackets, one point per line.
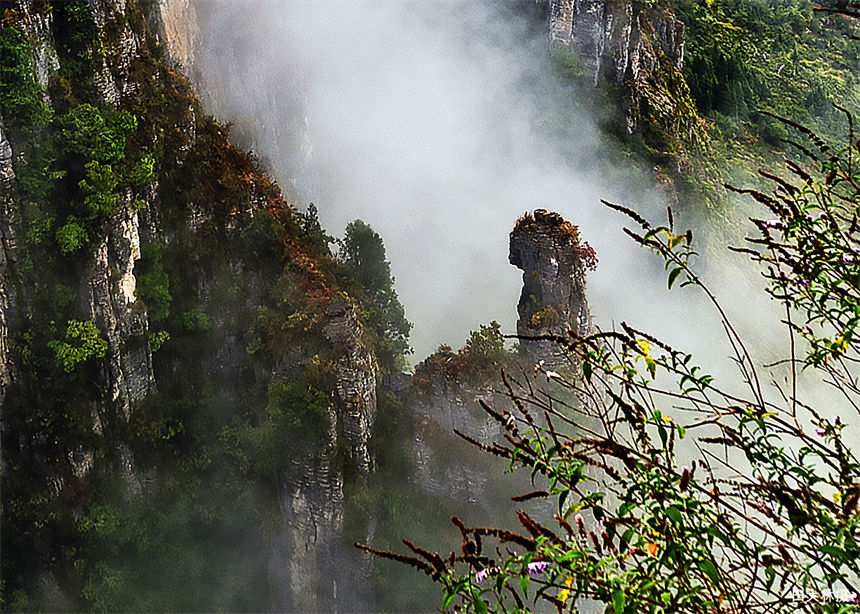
[690, 86]
[186, 378]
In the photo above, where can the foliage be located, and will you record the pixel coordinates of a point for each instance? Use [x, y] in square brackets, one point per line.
[153, 282]
[486, 346]
[545, 318]
[71, 237]
[309, 222]
[363, 252]
[81, 342]
[20, 93]
[745, 55]
[95, 134]
[297, 414]
[480, 359]
[567, 66]
[761, 515]
[79, 46]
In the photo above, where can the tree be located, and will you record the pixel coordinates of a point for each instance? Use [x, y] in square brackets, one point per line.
[363, 251]
[765, 517]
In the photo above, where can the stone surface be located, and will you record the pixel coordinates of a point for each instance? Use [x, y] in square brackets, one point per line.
[547, 249]
[178, 31]
[624, 41]
[355, 376]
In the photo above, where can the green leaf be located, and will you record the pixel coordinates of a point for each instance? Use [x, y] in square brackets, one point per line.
[673, 275]
[770, 574]
[674, 514]
[587, 370]
[524, 584]
[710, 570]
[561, 499]
[835, 551]
[447, 599]
[652, 366]
[618, 600]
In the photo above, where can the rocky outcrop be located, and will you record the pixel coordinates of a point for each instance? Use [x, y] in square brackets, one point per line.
[355, 376]
[637, 45]
[437, 413]
[548, 250]
[312, 567]
[215, 292]
[304, 542]
[178, 31]
[7, 253]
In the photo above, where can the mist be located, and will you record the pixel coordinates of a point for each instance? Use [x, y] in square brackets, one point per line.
[439, 125]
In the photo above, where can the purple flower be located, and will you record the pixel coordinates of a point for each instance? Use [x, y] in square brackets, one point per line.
[534, 569]
[772, 223]
[807, 328]
[837, 421]
[819, 432]
[847, 257]
[482, 575]
[804, 282]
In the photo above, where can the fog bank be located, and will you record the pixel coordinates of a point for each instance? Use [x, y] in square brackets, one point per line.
[438, 124]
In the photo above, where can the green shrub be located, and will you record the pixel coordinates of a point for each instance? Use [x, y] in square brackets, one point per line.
[20, 94]
[196, 320]
[153, 283]
[486, 346]
[545, 318]
[96, 134]
[299, 409]
[71, 237]
[99, 190]
[81, 342]
[567, 66]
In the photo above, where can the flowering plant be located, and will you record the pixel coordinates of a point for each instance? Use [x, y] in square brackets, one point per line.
[762, 515]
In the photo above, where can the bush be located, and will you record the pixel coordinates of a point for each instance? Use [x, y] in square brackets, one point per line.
[486, 346]
[153, 283]
[96, 134]
[567, 66]
[81, 342]
[71, 237]
[20, 94]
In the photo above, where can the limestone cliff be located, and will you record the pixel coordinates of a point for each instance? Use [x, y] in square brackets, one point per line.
[168, 329]
[548, 250]
[638, 45]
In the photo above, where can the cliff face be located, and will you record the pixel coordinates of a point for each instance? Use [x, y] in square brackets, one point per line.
[167, 327]
[637, 45]
[548, 250]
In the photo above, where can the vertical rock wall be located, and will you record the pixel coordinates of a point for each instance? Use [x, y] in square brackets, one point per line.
[547, 249]
[7, 254]
[625, 42]
[311, 569]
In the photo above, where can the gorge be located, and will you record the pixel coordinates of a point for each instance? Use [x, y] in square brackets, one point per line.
[203, 403]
